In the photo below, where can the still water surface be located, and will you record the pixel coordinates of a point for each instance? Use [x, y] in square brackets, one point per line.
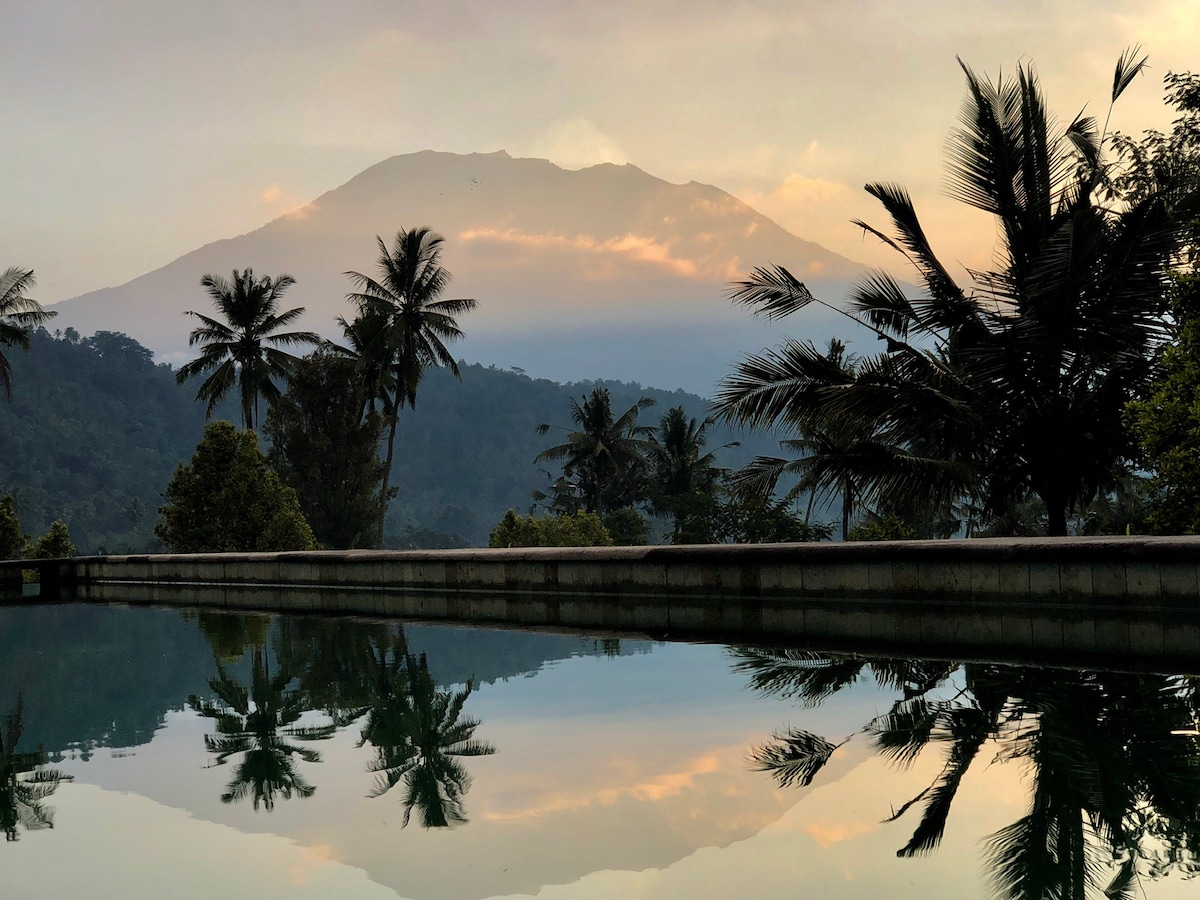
[158, 753]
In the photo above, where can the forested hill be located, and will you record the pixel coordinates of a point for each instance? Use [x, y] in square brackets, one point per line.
[95, 429]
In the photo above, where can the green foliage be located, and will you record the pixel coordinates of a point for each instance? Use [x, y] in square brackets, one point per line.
[752, 519]
[581, 529]
[627, 527]
[95, 429]
[12, 542]
[324, 448]
[886, 528]
[1167, 422]
[54, 544]
[229, 499]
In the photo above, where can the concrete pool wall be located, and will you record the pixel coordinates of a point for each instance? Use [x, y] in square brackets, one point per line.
[1128, 595]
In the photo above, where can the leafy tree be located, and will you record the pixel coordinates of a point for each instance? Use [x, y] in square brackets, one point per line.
[627, 527]
[257, 724]
[1016, 386]
[244, 349]
[19, 315]
[229, 499]
[54, 544]
[751, 518]
[1168, 420]
[580, 529]
[12, 542]
[324, 448]
[882, 528]
[402, 328]
[605, 457]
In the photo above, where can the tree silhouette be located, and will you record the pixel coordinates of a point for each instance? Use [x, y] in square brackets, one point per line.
[1115, 761]
[1017, 385]
[257, 724]
[419, 733]
[18, 316]
[402, 327]
[604, 456]
[244, 349]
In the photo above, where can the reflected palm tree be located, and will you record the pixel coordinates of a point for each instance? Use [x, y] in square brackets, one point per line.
[1115, 762]
[25, 783]
[420, 733]
[259, 724]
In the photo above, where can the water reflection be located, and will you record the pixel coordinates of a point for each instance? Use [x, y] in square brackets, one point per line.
[259, 724]
[363, 672]
[418, 731]
[1113, 761]
[25, 781]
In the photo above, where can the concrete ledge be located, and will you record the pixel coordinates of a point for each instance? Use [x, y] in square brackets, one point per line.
[1046, 596]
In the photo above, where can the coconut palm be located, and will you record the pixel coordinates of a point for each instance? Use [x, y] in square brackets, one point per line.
[682, 476]
[604, 456]
[402, 327]
[257, 723]
[18, 317]
[419, 733]
[25, 782]
[1017, 384]
[244, 349]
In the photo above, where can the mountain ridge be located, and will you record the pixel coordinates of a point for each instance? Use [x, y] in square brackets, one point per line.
[581, 274]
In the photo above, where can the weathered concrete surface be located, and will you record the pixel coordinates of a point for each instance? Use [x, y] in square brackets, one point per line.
[1045, 596]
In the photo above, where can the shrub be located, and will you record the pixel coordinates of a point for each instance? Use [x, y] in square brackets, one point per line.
[582, 529]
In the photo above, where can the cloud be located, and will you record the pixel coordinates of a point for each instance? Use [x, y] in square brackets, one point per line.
[799, 189]
[630, 247]
[576, 144]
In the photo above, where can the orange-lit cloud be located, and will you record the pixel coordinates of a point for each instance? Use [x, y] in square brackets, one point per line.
[829, 833]
[651, 788]
[632, 247]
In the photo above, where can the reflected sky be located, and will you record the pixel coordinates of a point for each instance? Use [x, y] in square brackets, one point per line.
[620, 769]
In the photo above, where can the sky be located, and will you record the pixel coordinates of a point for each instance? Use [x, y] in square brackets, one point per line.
[134, 131]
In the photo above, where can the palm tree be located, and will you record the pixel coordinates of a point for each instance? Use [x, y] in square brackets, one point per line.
[1017, 385]
[18, 316]
[25, 782]
[605, 455]
[402, 328]
[243, 349]
[682, 475]
[419, 733]
[256, 723]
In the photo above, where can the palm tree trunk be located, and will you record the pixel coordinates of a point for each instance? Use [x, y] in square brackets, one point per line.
[387, 476]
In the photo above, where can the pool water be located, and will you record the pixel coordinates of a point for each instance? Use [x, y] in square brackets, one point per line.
[158, 753]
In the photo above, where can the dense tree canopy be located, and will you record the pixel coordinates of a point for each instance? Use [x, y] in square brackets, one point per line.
[229, 499]
[327, 450]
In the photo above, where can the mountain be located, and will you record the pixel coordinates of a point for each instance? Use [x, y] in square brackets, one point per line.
[602, 272]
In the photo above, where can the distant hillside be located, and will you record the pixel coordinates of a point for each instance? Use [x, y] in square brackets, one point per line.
[579, 274]
[95, 429]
